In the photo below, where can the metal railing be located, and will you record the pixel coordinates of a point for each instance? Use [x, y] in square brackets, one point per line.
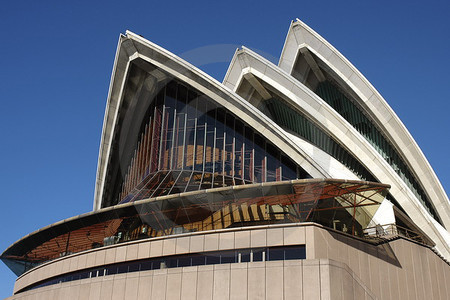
[389, 231]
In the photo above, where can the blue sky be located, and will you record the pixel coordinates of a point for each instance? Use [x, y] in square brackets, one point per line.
[56, 61]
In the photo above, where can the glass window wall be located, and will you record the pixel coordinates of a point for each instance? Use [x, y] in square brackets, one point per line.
[187, 142]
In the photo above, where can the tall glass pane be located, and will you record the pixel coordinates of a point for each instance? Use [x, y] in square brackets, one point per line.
[187, 142]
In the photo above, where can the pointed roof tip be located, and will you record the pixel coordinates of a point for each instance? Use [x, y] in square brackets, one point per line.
[245, 49]
[297, 21]
[302, 24]
[242, 48]
[236, 52]
[249, 50]
[129, 33]
[125, 35]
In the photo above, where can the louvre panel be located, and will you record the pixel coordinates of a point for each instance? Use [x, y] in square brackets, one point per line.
[332, 95]
[298, 123]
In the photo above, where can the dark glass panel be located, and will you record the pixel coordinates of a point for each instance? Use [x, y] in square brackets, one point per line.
[190, 144]
[179, 142]
[220, 119]
[248, 154]
[160, 97]
[77, 276]
[111, 270]
[259, 162]
[229, 146]
[211, 117]
[273, 163]
[295, 252]
[202, 108]
[289, 169]
[219, 154]
[134, 267]
[198, 260]
[257, 254]
[184, 261]
[146, 265]
[245, 255]
[172, 262]
[171, 94]
[275, 254]
[228, 257]
[122, 269]
[200, 146]
[212, 258]
[239, 149]
[182, 94]
[156, 265]
[192, 105]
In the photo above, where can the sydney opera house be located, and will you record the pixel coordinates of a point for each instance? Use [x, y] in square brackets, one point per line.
[288, 181]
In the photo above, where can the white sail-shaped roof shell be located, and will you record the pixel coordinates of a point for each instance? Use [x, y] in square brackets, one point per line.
[133, 47]
[247, 63]
[299, 36]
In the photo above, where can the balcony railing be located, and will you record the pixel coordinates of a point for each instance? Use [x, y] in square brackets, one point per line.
[390, 231]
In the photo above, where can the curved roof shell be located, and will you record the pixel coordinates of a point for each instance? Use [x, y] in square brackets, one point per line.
[133, 49]
[375, 106]
[249, 66]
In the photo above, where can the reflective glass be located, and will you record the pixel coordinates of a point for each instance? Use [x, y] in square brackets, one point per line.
[275, 254]
[295, 253]
[245, 255]
[212, 258]
[257, 254]
[227, 257]
[184, 130]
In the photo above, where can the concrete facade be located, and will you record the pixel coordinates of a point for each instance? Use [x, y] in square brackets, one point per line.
[337, 266]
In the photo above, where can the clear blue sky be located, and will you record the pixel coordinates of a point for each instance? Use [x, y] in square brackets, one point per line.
[56, 61]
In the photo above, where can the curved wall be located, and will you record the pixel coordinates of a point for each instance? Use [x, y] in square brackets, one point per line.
[337, 266]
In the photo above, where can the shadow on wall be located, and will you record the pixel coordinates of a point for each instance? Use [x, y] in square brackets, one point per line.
[382, 251]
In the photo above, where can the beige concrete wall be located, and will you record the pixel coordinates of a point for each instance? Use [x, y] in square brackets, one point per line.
[399, 269]
[247, 237]
[337, 267]
[297, 279]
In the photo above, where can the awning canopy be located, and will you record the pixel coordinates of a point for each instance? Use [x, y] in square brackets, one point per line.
[341, 204]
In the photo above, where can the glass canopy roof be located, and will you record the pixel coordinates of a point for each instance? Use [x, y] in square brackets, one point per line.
[343, 205]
